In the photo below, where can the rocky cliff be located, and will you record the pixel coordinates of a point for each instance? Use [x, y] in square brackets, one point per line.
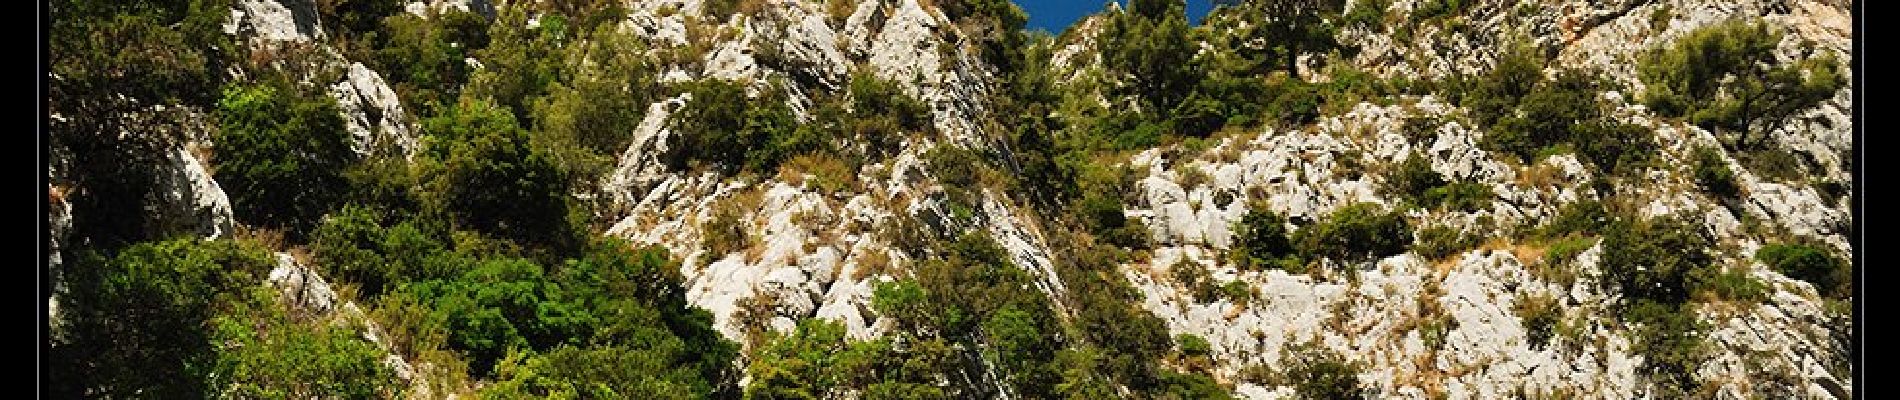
[1414, 326]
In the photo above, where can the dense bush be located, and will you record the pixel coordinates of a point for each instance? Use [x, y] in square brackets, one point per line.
[425, 59]
[1460, 196]
[267, 353]
[191, 318]
[1725, 77]
[1413, 178]
[588, 120]
[816, 360]
[1539, 315]
[281, 154]
[1830, 275]
[1494, 95]
[1711, 172]
[1652, 260]
[139, 322]
[1260, 241]
[1439, 242]
[723, 128]
[1319, 373]
[481, 169]
[1356, 232]
[1586, 217]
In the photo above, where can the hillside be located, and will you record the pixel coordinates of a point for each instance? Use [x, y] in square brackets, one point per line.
[919, 199]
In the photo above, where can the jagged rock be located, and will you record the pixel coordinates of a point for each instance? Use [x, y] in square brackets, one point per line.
[301, 287]
[187, 198]
[274, 20]
[371, 112]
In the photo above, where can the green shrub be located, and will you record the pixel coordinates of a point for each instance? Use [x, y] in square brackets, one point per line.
[1725, 77]
[1669, 338]
[1539, 315]
[354, 246]
[1260, 241]
[1586, 217]
[1195, 279]
[1830, 275]
[1319, 373]
[266, 353]
[725, 233]
[481, 170]
[1356, 232]
[1731, 284]
[281, 155]
[138, 323]
[585, 122]
[1194, 345]
[1614, 147]
[425, 59]
[1461, 196]
[1711, 172]
[1238, 291]
[1440, 242]
[1653, 260]
[723, 128]
[1413, 178]
[1495, 94]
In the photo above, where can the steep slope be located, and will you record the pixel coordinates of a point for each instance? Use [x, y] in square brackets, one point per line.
[1128, 251]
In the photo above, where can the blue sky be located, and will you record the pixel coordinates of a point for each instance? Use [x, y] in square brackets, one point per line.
[1056, 15]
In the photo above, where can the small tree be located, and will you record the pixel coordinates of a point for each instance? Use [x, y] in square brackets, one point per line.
[1725, 77]
[281, 154]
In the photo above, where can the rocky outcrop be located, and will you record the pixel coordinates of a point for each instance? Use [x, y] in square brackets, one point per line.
[369, 107]
[188, 199]
[372, 113]
[303, 289]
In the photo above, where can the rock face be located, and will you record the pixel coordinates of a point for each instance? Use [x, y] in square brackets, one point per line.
[812, 254]
[369, 107]
[1420, 329]
[187, 197]
[372, 113]
[1394, 316]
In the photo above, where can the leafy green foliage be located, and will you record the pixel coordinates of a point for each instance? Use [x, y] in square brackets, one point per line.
[267, 353]
[587, 120]
[1539, 315]
[1355, 232]
[1461, 196]
[1414, 177]
[721, 127]
[1319, 373]
[481, 169]
[1725, 77]
[424, 59]
[1260, 240]
[281, 154]
[1652, 260]
[1587, 217]
[536, 330]
[1830, 275]
[355, 245]
[816, 360]
[138, 323]
[190, 318]
[1669, 337]
[1440, 242]
[1147, 47]
[1193, 345]
[520, 62]
[1711, 172]
[1494, 95]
